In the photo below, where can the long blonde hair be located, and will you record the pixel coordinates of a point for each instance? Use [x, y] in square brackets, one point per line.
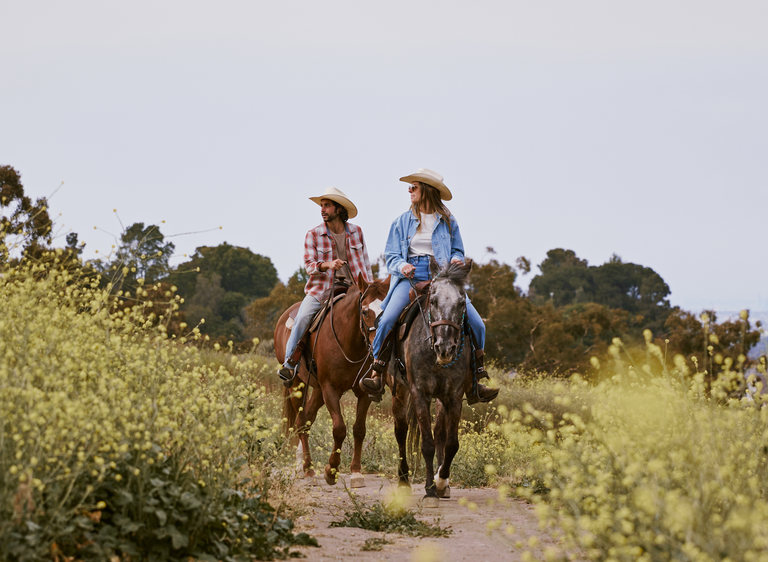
[430, 198]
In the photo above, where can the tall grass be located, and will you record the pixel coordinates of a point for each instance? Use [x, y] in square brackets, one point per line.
[650, 464]
[116, 440]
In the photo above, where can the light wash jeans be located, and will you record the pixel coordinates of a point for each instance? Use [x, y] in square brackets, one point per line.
[400, 299]
[309, 306]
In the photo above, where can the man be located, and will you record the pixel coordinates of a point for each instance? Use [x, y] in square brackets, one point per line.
[336, 245]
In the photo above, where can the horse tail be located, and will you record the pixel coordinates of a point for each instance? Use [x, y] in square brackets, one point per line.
[413, 443]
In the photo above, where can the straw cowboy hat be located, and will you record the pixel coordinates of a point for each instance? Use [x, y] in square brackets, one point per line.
[337, 196]
[430, 178]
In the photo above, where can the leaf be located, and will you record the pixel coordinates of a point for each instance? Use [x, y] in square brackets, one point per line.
[189, 501]
[178, 539]
[123, 498]
[162, 517]
[156, 482]
[126, 524]
[197, 555]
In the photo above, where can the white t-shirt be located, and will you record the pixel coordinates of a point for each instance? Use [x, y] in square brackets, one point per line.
[421, 243]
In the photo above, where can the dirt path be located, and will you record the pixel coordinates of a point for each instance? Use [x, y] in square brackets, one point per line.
[469, 540]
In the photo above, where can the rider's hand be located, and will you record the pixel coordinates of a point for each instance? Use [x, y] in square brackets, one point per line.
[335, 264]
[408, 270]
[457, 260]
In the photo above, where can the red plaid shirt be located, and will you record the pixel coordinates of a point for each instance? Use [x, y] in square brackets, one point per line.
[319, 248]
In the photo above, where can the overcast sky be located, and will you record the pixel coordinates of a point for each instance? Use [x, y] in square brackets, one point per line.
[635, 128]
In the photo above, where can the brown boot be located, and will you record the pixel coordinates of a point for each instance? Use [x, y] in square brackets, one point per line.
[481, 394]
[373, 384]
[287, 373]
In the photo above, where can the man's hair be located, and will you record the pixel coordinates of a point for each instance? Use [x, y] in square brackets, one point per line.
[431, 196]
[343, 214]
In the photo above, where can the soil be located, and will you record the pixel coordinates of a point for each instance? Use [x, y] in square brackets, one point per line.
[469, 540]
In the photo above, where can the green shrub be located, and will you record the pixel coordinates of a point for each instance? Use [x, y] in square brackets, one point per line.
[117, 440]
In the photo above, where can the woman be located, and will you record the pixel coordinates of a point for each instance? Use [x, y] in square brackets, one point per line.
[426, 229]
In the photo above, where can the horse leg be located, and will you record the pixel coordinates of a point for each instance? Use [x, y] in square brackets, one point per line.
[427, 447]
[332, 398]
[439, 433]
[400, 413]
[357, 480]
[314, 403]
[443, 490]
[451, 420]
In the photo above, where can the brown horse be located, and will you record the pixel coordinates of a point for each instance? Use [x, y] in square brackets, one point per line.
[341, 351]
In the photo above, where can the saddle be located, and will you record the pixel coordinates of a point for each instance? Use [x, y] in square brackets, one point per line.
[339, 293]
[410, 312]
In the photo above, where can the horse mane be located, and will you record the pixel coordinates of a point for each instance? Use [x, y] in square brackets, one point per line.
[382, 287]
[456, 273]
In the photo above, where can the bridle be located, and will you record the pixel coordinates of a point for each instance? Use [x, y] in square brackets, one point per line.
[362, 326]
[444, 322]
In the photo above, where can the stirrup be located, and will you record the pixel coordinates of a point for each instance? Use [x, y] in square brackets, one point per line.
[287, 374]
[481, 394]
[369, 384]
[480, 372]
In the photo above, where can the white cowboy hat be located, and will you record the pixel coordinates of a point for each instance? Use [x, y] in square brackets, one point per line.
[430, 178]
[337, 196]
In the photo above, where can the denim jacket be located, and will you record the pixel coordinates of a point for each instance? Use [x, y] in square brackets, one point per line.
[446, 244]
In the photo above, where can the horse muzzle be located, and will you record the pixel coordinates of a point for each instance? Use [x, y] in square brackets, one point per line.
[445, 347]
[445, 350]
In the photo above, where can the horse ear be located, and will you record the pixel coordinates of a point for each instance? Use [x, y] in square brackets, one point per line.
[468, 263]
[362, 284]
[434, 268]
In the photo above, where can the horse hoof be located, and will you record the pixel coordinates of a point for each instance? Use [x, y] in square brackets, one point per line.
[430, 502]
[357, 480]
[445, 493]
[403, 484]
[310, 473]
[331, 475]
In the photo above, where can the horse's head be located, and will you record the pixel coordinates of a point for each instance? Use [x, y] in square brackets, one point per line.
[373, 294]
[447, 308]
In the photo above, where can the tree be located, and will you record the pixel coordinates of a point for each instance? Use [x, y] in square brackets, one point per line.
[489, 284]
[711, 343]
[208, 306]
[637, 289]
[24, 225]
[567, 280]
[263, 313]
[241, 271]
[143, 254]
[73, 247]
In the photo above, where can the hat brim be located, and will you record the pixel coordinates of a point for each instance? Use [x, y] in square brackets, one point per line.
[445, 193]
[343, 201]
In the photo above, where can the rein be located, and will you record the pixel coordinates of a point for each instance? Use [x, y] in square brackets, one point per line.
[333, 328]
[423, 316]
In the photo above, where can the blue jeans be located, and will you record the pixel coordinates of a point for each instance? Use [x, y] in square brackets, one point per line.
[400, 299]
[309, 306]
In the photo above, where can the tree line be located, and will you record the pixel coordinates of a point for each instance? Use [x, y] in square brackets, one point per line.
[572, 311]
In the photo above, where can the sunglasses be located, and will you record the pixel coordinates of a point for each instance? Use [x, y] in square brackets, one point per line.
[412, 188]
